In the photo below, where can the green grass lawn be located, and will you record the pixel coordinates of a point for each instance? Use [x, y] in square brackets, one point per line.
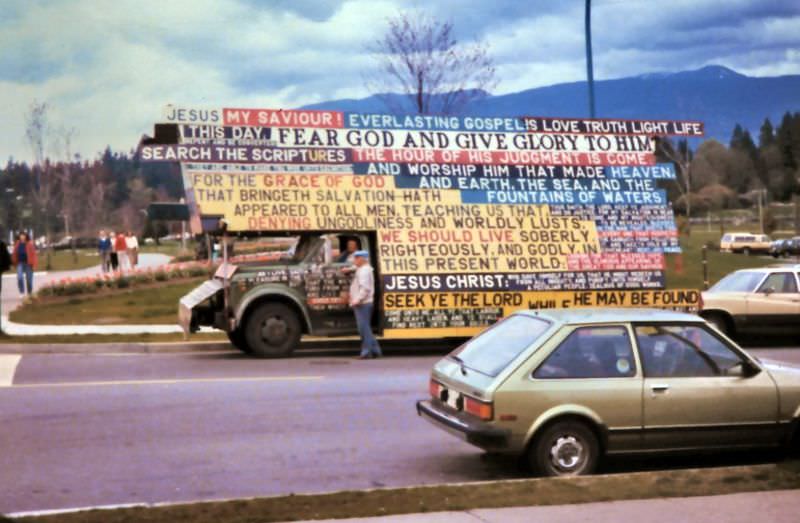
[135, 307]
[170, 248]
[719, 264]
[68, 260]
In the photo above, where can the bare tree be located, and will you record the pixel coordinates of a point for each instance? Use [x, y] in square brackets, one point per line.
[99, 189]
[70, 187]
[44, 186]
[681, 156]
[419, 56]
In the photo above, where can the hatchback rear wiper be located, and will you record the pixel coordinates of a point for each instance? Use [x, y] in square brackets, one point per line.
[461, 364]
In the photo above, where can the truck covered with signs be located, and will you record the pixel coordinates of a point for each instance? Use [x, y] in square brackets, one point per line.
[466, 219]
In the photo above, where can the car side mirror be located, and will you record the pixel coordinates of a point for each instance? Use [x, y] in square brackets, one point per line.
[745, 369]
[768, 291]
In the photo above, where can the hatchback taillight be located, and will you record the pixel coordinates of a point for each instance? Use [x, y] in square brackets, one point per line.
[478, 408]
[435, 389]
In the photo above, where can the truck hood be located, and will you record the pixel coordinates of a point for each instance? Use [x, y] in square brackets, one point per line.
[255, 266]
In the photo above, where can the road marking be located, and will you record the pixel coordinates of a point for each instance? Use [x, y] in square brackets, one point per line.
[8, 366]
[165, 382]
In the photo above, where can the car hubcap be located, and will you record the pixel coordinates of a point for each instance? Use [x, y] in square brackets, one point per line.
[274, 331]
[567, 453]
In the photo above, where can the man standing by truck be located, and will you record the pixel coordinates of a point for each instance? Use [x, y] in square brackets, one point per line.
[362, 293]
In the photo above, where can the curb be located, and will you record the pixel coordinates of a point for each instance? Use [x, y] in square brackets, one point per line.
[113, 347]
[349, 344]
[417, 502]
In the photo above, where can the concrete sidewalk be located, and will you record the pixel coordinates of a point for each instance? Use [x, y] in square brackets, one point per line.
[780, 506]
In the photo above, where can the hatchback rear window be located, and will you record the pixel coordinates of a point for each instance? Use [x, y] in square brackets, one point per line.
[492, 350]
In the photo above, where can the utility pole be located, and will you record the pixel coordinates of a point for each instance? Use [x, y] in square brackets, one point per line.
[183, 232]
[589, 66]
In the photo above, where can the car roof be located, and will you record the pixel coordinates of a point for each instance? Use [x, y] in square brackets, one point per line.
[611, 315]
[777, 267]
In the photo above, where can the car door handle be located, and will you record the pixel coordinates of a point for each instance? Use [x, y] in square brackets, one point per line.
[659, 387]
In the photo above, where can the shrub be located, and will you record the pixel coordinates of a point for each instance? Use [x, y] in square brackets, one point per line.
[90, 285]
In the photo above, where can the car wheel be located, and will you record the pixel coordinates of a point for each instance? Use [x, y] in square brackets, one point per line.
[720, 322]
[237, 340]
[272, 331]
[567, 448]
[746, 251]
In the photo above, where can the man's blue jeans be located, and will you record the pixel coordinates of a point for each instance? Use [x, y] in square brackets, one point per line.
[24, 275]
[369, 345]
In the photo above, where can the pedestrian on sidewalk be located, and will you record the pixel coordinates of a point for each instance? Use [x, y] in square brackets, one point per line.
[24, 257]
[114, 258]
[133, 249]
[104, 249]
[5, 264]
[121, 246]
[362, 292]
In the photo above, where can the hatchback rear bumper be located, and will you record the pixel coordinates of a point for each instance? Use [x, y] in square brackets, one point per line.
[464, 426]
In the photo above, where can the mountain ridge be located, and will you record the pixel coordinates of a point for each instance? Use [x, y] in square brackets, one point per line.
[717, 95]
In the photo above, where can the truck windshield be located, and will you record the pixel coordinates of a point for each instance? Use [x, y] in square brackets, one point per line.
[306, 245]
[492, 350]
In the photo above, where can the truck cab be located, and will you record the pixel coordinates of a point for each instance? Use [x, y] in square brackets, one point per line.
[265, 307]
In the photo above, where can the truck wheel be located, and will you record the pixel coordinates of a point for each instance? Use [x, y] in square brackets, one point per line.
[237, 340]
[272, 331]
[566, 448]
[746, 251]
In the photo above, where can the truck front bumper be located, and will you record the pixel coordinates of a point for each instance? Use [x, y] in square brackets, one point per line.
[464, 426]
[188, 304]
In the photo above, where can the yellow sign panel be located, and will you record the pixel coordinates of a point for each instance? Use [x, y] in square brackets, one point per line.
[425, 231]
[423, 313]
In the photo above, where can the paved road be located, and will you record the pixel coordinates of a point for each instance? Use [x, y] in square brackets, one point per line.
[93, 429]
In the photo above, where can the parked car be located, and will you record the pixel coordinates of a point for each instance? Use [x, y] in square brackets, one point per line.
[745, 243]
[566, 387]
[79, 243]
[786, 247]
[763, 300]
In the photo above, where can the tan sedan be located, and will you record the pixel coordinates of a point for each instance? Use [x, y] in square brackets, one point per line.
[763, 301]
[566, 387]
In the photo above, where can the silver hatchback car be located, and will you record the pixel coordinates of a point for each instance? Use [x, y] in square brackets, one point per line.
[566, 387]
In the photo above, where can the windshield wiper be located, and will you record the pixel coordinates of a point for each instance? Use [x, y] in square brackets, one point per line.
[461, 364]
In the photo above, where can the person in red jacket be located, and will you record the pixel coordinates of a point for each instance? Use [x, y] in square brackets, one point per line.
[24, 257]
[121, 246]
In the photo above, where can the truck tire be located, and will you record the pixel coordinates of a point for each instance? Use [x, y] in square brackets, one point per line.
[272, 331]
[566, 448]
[236, 338]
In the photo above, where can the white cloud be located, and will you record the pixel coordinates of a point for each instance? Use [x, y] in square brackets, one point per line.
[107, 69]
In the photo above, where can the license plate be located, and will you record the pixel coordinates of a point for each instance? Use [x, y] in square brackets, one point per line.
[453, 398]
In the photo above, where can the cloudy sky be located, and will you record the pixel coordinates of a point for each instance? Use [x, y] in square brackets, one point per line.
[107, 67]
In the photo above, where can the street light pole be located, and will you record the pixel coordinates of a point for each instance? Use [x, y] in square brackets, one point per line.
[589, 66]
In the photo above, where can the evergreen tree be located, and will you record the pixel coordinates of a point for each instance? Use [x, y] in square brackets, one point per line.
[766, 135]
